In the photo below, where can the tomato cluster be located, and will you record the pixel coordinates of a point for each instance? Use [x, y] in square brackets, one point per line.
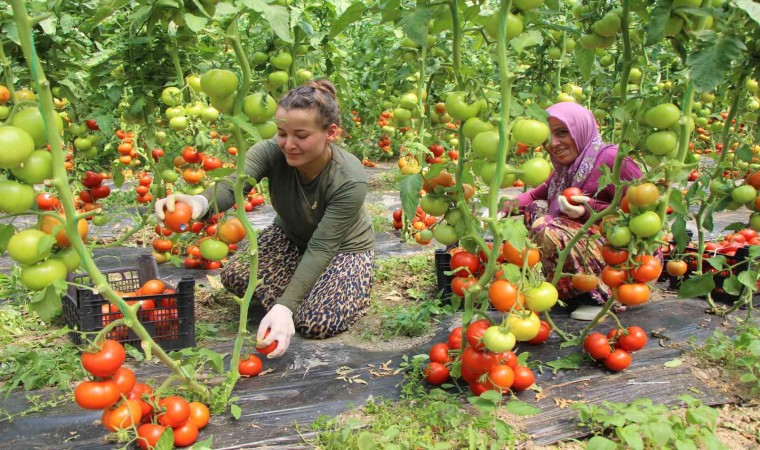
[480, 366]
[128, 405]
[615, 349]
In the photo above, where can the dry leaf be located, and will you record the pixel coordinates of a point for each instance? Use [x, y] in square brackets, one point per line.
[215, 282]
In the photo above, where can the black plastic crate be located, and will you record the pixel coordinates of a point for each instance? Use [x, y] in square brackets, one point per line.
[171, 323]
[443, 264]
[742, 262]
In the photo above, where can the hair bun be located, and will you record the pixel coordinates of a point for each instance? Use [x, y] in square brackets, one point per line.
[324, 85]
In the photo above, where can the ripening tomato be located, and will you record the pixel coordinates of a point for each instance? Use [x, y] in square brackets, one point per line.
[250, 367]
[632, 294]
[125, 415]
[502, 294]
[148, 435]
[524, 325]
[199, 414]
[648, 268]
[137, 393]
[585, 282]
[676, 268]
[613, 277]
[500, 377]
[543, 334]
[475, 333]
[571, 192]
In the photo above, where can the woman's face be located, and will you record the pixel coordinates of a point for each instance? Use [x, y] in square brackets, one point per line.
[302, 140]
[561, 144]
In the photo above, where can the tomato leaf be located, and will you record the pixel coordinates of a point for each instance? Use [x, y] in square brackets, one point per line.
[166, 441]
[601, 443]
[47, 303]
[673, 363]
[527, 39]
[353, 13]
[584, 61]
[205, 444]
[277, 16]
[415, 25]
[697, 286]
[732, 286]
[754, 251]
[118, 178]
[515, 231]
[712, 58]
[749, 278]
[658, 19]
[242, 121]
[571, 361]
[679, 233]
[744, 153]
[195, 23]
[631, 436]
[236, 411]
[736, 226]
[677, 202]
[717, 262]
[409, 189]
[6, 232]
[519, 408]
[751, 7]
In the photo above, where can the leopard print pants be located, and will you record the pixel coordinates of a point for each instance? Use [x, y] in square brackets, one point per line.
[337, 300]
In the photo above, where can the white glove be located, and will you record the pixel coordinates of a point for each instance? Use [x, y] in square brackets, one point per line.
[572, 211]
[199, 204]
[279, 322]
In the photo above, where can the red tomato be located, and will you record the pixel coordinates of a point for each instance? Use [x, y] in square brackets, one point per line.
[543, 334]
[199, 414]
[176, 411]
[125, 415]
[250, 367]
[597, 346]
[185, 434]
[613, 256]
[571, 192]
[476, 361]
[436, 373]
[475, 332]
[649, 268]
[137, 393]
[461, 284]
[106, 361]
[500, 377]
[125, 379]
[440, 353]
[635, 340]
[96, 394]
[148, 435]
[618, 360]
[269, 348]
[455, 339]
[467, 263]
[524, 378]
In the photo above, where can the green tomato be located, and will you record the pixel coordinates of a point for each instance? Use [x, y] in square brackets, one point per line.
[498, 341]
[434, 205]
[743, 194]
[523, 325]
[402, 115]
[259, 58]
[542, 297]
[171, 96]
[209, 114]
[223, 104]
[619, 236]
[4, 112]
[178, 123]
[486, 145]
[408, 100]
[457, 108]
[100, 220]
[535, 171]
[530, 132]
[282, 61]
[169, 176]
[607, 26]
[77, 129]
[69, 257]
[38, 276]
[30, 246]
[453, 216]
[663, 116]
[36, 169]
[194, 81]
[219, 83]
[445, 234]
[30, 120]
[488, 172]
[267, 129]
[278, 78]
[17, 145]
[214, 250]
[754, 221]
[16, 197]
[259, 107]
[303, 75]
[646, 224]
[174, 111]
[661, 142]
[83, 144]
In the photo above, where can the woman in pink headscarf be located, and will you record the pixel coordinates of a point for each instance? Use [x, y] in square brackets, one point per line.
[577, 151]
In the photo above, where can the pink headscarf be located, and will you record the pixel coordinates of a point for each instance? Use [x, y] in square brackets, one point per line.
[582, 127]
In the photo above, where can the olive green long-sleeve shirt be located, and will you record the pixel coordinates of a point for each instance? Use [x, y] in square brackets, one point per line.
[339, 223]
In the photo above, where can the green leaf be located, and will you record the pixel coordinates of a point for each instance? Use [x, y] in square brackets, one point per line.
[660, 432]
[166, 441]
[242, 121]
[601, 443]
[732, 286]
[748, 378]
[679, 233]
[520, 408]
[751, 7]
[47, 303]
[205, 444]
[277, 16]
[736, 226]
[754, 251]
[195, 23]
[527, 39]
[366, 441]
[409, 189]
[717, 262]
[744, 153]
[118, 178]
[515, 231]
[631, 437]
[236, 411]
[677, 202]
[105, 10]
[673, 363]
[571, 361]
[696, 286]
[749, 278]
[584, 60]
[658, 20]
[415, 25]
[353, 13]
[713, 58]
[6, 232]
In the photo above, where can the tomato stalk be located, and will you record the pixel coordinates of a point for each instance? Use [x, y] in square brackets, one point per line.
[60, 181]
[233, 37]
[7, 74]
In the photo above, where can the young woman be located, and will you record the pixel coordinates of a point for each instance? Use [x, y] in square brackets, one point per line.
[316, 259]
[577, 151]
